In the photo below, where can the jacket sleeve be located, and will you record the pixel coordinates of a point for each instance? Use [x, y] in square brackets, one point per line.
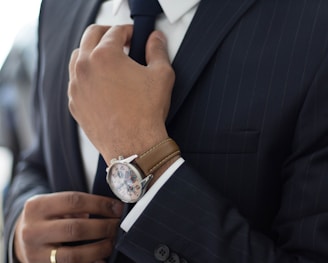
[29, 180]
[197, 223]
[30, 177]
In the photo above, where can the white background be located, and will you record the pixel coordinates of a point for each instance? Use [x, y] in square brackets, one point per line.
[14, 14]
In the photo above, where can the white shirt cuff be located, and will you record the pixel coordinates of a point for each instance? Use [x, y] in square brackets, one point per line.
[141, 205]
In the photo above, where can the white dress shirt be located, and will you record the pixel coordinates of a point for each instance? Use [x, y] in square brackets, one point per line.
[174, 23]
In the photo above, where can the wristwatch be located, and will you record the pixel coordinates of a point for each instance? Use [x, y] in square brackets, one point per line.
[129, 177]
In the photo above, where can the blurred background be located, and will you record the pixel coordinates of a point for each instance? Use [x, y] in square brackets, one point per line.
[14, 14]
[18, 54]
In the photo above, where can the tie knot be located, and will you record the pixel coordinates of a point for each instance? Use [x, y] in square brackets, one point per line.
[145, 8]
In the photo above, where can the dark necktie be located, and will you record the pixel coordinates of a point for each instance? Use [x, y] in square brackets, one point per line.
[100, 186]
[144, 13]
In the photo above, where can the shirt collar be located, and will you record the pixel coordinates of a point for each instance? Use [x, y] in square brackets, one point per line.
[173, 10]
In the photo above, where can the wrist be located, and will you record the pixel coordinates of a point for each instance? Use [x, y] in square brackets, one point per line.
[137, 144]
[130, 177]
[162, 170]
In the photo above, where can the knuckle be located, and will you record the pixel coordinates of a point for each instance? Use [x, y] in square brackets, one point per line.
[75, 201]
[167, 70]
[111, 207]
[72, 89]
[29, 207]
[99, 55]
[27, 234]
[119, 29]
[71, 106]
[32, 205]
[75, 54]
[71, 94]
[74, 229]
[92, 28]
[96, 29]
[81, 67]
[105, 205]
[103, 59]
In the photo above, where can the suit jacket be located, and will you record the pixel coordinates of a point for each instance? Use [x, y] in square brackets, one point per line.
[249, 112]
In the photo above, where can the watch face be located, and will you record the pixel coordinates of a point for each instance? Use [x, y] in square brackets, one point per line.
[125, 182]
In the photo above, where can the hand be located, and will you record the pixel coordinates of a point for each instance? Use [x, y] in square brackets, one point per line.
[121, 105]
[49, 221]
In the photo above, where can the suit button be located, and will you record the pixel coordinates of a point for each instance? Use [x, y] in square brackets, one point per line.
[162, 252]
[174, 258]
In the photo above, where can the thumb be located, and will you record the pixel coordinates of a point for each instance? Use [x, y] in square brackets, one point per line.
[156, 49]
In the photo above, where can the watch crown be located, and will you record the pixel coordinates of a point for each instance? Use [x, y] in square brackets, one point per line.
[121, 158]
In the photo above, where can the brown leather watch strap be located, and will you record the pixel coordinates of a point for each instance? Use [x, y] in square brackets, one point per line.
[157, 156]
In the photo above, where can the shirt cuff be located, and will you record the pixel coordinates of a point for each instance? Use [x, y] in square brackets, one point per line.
[141, 205]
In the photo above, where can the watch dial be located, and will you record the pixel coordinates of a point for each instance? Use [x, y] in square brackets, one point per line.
[125, 183]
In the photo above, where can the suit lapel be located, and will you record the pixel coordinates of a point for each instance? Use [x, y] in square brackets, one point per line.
[84, 13]
[213, 20]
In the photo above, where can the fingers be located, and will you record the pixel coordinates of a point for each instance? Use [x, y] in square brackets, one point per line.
[158, 59]
[85, 253]
[53, 219]
[72, 62]
[156, 49]
[93, 252]
[97, 37]
[67, 203]
[98, 42]
[117, 37]
[91, 37]
[71, 230]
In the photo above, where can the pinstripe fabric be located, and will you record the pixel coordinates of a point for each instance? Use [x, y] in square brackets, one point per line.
[253, 125]
[249, 112]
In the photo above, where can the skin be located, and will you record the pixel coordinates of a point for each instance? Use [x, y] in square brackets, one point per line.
[50, 220]
[122, 107]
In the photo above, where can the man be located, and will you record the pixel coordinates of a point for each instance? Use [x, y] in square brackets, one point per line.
[245, 101]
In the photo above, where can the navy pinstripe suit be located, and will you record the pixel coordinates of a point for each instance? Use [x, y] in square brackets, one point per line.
[250, 113]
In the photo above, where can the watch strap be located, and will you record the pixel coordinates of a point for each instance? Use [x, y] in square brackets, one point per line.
[157, 156]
